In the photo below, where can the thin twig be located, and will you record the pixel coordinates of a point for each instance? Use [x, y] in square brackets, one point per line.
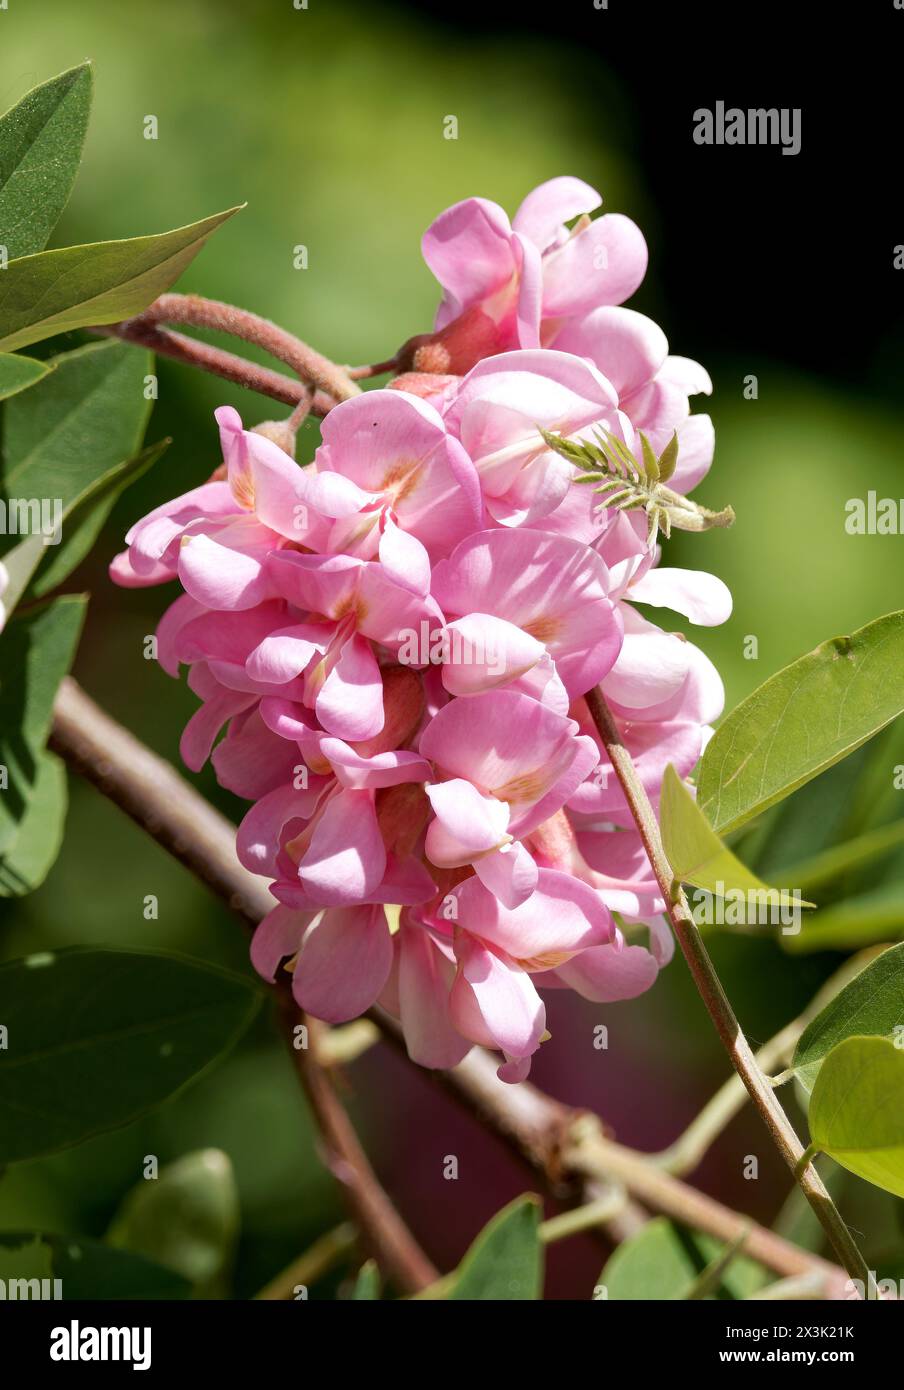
[151, 791]
[714, 997]
[560, 1144]
[199, 312]
[312, 1265]
[193, 353]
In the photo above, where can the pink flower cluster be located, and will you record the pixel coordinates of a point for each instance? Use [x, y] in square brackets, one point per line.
[398, 638]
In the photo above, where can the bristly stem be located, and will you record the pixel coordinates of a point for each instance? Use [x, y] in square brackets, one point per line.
[716, 1000]
[193, 309]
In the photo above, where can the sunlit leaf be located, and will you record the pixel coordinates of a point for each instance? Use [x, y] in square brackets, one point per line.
[871, 1005]
[41, 140]
[17, 373]
[800, 721]
[106, 281]
[857, 1110]
[696, 853]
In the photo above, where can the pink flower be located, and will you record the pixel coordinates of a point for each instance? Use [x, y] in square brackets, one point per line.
[412, 485]
[510, 284]
[632, 352]
[497, 413]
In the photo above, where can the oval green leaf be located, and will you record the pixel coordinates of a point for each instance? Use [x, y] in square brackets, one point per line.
[41, 140]
[103, 282]
[33, 852]
[698, 856]
[96, 1037]
[664, 1262]
[872, 1005]
[802, 720]
[505, 1262]
[18, 373]
[857, 1110]
[186, 1218]
[36, 651]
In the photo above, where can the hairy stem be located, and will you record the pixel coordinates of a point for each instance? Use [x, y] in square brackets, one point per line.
[195, 310]
[714, 997]
[193, 353]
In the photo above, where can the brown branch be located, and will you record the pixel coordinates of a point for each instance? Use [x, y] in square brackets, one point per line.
[557, 1142]
[193, 353]
[716, 1000]
[178, 818]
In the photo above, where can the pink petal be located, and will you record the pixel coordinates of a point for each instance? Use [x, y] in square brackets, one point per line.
[344, 963]
[468, 248]
[350, 701]
[699, 596]
[346, 858]
[276, 937]
[562, 916]
[546, 208]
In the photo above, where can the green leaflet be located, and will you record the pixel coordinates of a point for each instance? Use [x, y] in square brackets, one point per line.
[33, 852]
[696, 853]
[185, 1218]
[505, 1262]
[803, 720]
[99, 1036]
[102, 282]
[36, 651]
[41, 140]
[18, 373]
[871, 1005]
[857, 1110]
[665, 1262]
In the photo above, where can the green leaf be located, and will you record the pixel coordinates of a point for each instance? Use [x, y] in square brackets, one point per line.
[41, 142]
[18, 373]
[664, 1262]
[86, 417]
[857, 1110]
[72, 443]
[86, 1269]
[872, 1005]
[85, 517]
[505, 1262]
[33, 852]
[802, 720]
[186, 1219]
[103, 282]
[367, 1284]
[99, 1036]
[698, 856]
[36, 651]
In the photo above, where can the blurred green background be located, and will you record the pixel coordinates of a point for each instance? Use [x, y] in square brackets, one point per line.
[329, 122]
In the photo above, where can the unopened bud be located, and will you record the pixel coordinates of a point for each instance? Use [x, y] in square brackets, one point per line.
[279, 432]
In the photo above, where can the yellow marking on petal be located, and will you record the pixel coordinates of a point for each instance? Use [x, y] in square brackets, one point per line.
[545, 629]
[530, 786]
[549, 960]
[402, 478]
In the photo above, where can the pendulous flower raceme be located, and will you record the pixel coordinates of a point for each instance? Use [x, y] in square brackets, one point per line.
[399, 636]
